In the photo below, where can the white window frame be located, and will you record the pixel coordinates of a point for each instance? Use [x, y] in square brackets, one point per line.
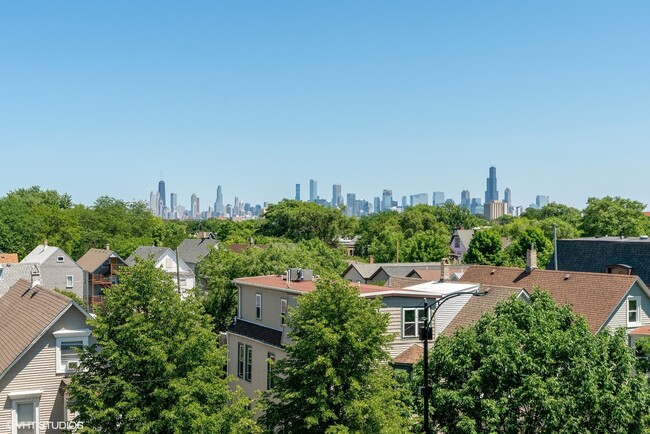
[241, 359]
[25, 397]
[69, 281]
[258, 306]
[284, 303]
[418, 321]
[637, 311]
[248, 367]
[60, 259]
[68, 336]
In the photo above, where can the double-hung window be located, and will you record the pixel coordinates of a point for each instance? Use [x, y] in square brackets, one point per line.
[69, 281]
[413, 320]
[633, 311]
[249, 363]
[283, 310]
[25, 412]
[270, 365]
[68, 342]
[258, 306]
[241, 355]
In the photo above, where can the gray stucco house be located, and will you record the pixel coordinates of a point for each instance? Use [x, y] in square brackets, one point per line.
[57, 270]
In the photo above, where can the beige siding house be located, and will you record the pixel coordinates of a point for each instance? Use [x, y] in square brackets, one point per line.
[39, 330]
[260, 334]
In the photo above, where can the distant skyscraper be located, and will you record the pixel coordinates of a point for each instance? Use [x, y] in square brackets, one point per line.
[387, 200]
[475, 206]
[465, 200]
[297, 191]
[350, 205]
[376, 204]
[195, 209]
[438, 198]
[337, 199]
[218, 204]
[494, 209]
[313, 190]
[420, 199]
[541, 201]
[404, 203]
[507, 196]
[491, 193]
[161, 192]
[154, 203]
[174, 205]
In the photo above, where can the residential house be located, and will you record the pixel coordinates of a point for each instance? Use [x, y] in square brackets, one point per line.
[39, 332]
[613, 255]
[100, 267]
[433, 274]
[460, 243]
[259, 333]
[165, 258]
[57, 270]
[193, 250]
[606, 301]
[12, 273]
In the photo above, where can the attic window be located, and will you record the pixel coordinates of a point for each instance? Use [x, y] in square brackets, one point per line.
[59, 259]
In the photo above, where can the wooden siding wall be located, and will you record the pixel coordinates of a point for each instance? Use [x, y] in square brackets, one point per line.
[619, 318]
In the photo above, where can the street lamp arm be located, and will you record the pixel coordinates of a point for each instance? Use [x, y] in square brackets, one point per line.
[442, 300]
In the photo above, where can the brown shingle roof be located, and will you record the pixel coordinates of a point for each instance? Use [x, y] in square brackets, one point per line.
[403, 282]
[8, 258]
[26, 313]
[477, 306]
[93, 258]
[409, 356]
[279, 282]
[592, 295]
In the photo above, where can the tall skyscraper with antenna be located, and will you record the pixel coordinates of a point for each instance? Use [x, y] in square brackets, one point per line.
[491, 192]
[218, 204]
[161, 192]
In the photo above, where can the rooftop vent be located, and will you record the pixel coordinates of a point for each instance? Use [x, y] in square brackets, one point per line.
[566, 276]
[643, 237]
[299, 274]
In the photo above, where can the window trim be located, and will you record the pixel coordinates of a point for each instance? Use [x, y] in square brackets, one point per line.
[240, 360]
[418, 321]
[248, 367]
[270, 367]
[284, 308]
[69, 281]
[637, 311]
[60, 259]
[63, 336]
[258, 306]
[25, 397]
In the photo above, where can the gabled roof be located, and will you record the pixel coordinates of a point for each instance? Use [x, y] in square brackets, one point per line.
[409, 356]
[434, 273]
[475, 307]
[367, 271]
[592, 295]
[41, 254]
[595, 254]
[465, 236]
[94, 258]
[12, 273]
[149, 252]
[193, 250]
[8, 258]
[26, 315]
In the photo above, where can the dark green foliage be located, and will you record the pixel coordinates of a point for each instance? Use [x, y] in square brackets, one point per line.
[157, 367]
[335, 378]
[536, 367]
[485, 248]
[614, 216]
[532, 237]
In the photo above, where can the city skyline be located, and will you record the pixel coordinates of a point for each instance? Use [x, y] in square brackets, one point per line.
[413, 98]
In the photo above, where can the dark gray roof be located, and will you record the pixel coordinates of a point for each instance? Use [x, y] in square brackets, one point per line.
[257, 332]
[367, 271]
[12, 273]
[596, 254]
[149, 252]
[193, 250]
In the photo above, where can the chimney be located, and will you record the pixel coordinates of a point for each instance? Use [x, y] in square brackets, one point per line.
[444, 270]
[531, 259]
[251, 241]
[371, 259]
[108, 247]
[45, 242]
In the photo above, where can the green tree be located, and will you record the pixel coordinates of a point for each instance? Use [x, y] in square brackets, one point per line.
[427, 246]
[532, 237]
[485, 248]
[335, 377]
[536, 367]
[554, 210]
[614, 216]
[371, 227]
[456, 217]
[299, 221]
[157, 367]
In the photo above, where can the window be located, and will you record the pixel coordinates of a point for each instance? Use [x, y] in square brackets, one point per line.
[25, 412]
[270, 365]
[69, 281]
[59, 259]
[457, 242]
[249, 363]
[258, 306]
[240, 360]
[283, 310]
[412, 321]
[633, 311]
[67, 344]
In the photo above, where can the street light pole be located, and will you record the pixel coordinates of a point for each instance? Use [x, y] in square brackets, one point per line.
[426, 334]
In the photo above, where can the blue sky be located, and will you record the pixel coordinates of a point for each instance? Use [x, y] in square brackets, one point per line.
[97, 98]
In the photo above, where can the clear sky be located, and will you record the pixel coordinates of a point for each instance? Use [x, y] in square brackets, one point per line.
[97, 98]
